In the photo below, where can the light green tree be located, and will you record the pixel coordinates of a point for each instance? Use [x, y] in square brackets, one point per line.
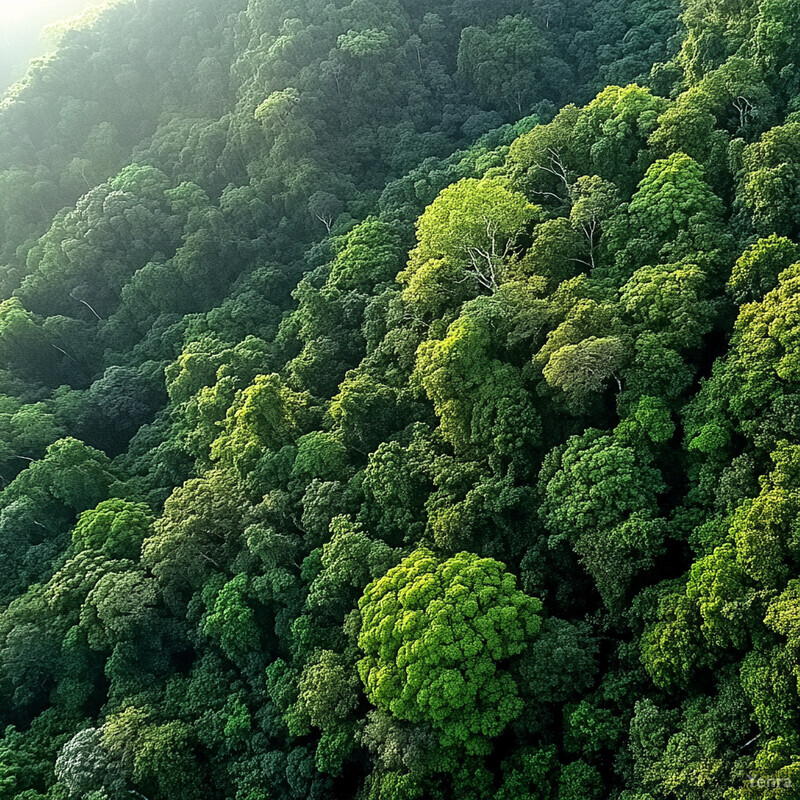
[434, 634]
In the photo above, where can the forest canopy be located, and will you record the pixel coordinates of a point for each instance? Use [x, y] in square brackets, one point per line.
[398, 401]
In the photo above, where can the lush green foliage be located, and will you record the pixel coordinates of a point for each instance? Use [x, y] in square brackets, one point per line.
[432, 633]
[399, 401]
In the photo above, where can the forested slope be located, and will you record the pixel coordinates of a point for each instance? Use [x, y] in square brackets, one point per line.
[401, 400]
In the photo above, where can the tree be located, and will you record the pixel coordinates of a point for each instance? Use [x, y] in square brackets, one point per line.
[116, 528]
[480, 399]
[672, 202]
[76, 476]
[319, 455]
[325, 207]
[24, 345]
[349, 560]
[473, 227]
[770, 179]
[586, 367]
[689, 126]
[583, 326]
[765, 528]
[594, 201]
[671, 194]
[263, 417]
[529, 775]
[669, 300]
[506, 62]
[27, 431]
[579, 780]
[364, 43]
[327, 693]
[432, 635]
[757, 400]
[232, 620]
[119, 403]
[198, 533]
[560, 664]
[557, 252]
[776, 34]
[592, 727]
[615, 127]
[157, 756]
[595, 483]
[275, 110]
[366, 410]
[600, 496]
[719, 587]
[671, 647]
[758, 269]
[655, 369]
[121, 606]
[771, 691]
[84, 766]
[368, 255]
[397, 482]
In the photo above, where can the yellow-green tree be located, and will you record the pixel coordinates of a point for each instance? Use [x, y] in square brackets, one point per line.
[434, 635]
